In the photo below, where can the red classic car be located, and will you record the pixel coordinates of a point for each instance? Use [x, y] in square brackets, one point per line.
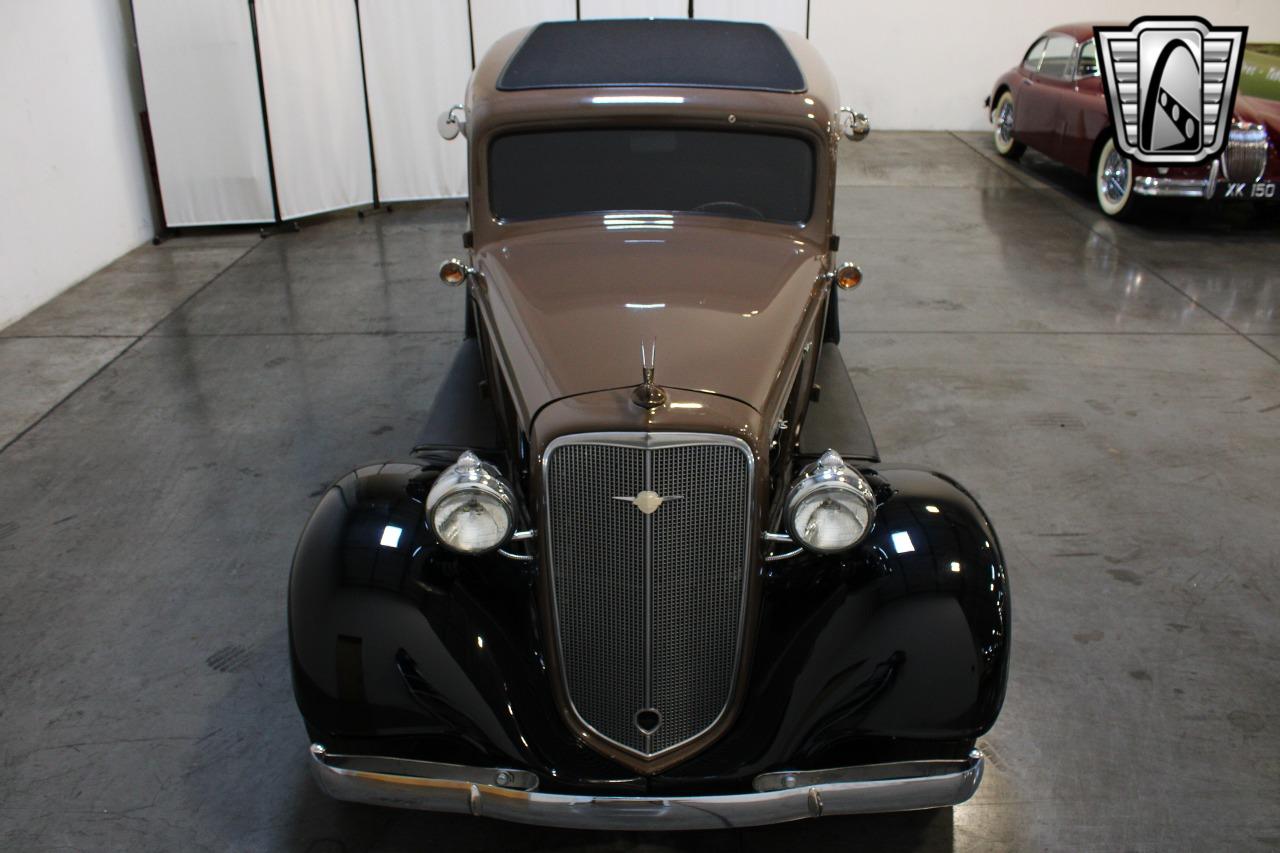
[1053, 102]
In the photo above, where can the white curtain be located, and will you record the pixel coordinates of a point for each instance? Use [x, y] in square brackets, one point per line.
[779, 14]
[633, 9]
[315, 104]
[417, 57]
[206, 115]
[201, 82]
[493, 19]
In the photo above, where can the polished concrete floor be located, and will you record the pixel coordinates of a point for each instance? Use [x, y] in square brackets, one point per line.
[1111, 392]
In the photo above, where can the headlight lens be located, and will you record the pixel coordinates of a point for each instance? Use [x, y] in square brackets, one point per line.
[830, 520]
[830, 508]
[470, 507]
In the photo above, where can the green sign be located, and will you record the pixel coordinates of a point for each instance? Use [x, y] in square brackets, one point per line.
[1260, 71]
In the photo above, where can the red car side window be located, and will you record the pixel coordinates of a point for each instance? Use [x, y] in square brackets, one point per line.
[1087, 65]
[1058, 53]
[1035, 53]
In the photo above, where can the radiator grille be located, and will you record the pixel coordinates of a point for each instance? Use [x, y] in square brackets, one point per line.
[648, 607]
[1246, 156]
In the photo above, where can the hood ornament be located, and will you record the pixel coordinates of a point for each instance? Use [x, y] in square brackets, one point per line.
[647, 395]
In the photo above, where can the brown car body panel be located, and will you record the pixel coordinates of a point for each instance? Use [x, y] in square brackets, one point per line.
[738, 293]
[735, 305]
[726, 306]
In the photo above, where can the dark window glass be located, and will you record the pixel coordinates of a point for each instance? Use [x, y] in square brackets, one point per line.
[726, 173]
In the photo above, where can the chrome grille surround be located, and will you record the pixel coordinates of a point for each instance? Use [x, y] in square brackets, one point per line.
[649, 608]
[1245, 158]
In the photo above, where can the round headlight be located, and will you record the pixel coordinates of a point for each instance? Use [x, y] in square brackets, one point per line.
[470, 508]
[830, 508]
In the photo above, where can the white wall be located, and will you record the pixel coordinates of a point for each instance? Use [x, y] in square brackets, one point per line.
[493, 19]
[73, 177]
[590, 9]
[779, 14]
[927, 64]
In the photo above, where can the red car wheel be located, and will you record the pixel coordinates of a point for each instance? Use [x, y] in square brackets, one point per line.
[1002, 119]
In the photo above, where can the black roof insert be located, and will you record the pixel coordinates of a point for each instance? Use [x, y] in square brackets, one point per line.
[663, 52]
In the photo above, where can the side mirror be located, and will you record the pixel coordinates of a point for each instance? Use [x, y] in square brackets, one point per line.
[854, 125]
[847, 276]
[452, 122]
[454, 272]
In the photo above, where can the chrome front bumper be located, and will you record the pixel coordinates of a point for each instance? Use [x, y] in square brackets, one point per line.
[778, 797]
[1163, 187]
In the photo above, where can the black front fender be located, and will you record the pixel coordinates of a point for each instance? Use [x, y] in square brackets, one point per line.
[401, 647]
[894, 650]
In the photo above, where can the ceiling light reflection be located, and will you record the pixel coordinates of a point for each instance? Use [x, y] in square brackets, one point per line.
[637, 99]
[391, 536]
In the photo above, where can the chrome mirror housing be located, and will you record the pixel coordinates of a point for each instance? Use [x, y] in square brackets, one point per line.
[454, 272]
[848, 275]
[854, 125]
[452, 122]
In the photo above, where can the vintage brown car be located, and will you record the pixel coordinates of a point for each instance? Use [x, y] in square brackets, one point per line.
[645, 568]
[1053, 101]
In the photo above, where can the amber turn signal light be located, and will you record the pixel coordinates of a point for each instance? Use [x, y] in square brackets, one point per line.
[848, 275]
[454, 272]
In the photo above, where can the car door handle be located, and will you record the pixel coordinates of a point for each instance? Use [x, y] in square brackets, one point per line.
[1026, 82]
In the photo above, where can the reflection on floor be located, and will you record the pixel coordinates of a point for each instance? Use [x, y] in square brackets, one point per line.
[1111, 392]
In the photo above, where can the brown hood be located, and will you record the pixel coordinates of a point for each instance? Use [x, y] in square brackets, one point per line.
[726, 302]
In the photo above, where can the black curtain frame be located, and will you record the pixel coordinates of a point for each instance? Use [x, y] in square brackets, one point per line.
[368, 117]
[471, 36]
[160, 218]
[262, 105]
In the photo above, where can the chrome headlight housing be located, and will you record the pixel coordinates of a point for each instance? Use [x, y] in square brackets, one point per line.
[830, 508]
[470, 508]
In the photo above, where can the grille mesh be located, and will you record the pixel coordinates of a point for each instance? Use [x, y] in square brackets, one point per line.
[599, 584]
[648, 607]
[1246, 155]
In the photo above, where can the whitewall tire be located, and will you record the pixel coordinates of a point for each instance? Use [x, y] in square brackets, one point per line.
[1113, 181]
[1002, 128]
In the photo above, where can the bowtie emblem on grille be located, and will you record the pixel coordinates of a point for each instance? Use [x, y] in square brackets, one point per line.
[647, 501]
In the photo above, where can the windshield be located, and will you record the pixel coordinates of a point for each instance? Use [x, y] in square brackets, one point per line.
[726, 173]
